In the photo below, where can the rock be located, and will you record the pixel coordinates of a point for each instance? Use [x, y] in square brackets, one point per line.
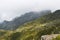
[49, 37]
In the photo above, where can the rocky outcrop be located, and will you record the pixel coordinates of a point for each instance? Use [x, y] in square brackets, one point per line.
[49, 37]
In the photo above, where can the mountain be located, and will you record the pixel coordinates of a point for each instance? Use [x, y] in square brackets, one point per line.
[18, 21]
[33, 30]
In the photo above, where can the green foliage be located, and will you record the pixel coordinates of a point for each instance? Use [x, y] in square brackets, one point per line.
[2, 33]
[57, 38]
[15, 36]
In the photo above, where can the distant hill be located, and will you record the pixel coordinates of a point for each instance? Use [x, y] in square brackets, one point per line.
[18, 21]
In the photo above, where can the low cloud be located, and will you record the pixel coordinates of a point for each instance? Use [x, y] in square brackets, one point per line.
[9, 9]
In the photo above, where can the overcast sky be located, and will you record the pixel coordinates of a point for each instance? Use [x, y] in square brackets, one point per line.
[11, 8]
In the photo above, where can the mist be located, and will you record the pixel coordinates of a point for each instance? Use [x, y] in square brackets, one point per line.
[10, 9]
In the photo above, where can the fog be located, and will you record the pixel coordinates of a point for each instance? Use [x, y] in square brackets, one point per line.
[10, 9]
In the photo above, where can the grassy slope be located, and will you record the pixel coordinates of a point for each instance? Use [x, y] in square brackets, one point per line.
[48, 24]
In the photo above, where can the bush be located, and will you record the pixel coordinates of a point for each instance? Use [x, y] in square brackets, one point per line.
[15, 36]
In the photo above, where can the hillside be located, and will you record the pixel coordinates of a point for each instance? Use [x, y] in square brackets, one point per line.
[33, 30]
[18, 21]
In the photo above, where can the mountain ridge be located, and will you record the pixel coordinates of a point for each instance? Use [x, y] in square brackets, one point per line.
[33, 30]
[12, 25]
